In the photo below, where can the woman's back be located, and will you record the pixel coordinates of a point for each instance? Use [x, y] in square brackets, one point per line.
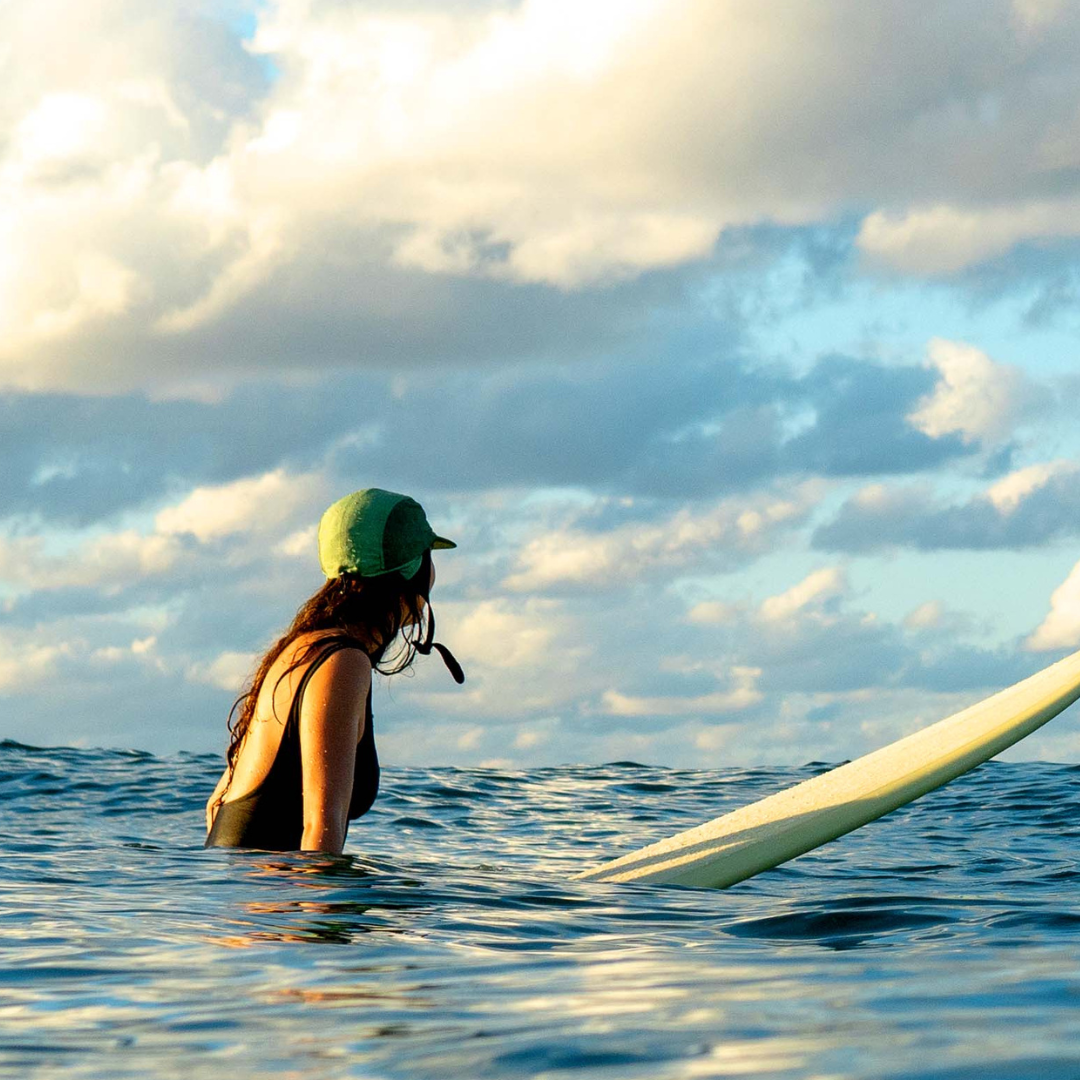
[269, 812]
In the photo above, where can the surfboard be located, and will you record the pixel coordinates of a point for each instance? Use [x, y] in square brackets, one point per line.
[766, 833]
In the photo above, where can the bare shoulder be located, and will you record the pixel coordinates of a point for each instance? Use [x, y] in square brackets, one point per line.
[332, 709]
[342, 673]
[344, 670]
[346, 663]
[305, 647]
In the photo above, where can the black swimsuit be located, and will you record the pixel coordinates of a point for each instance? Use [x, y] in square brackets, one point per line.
[271, 817]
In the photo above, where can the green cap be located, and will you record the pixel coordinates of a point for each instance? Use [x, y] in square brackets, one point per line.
[373, 532]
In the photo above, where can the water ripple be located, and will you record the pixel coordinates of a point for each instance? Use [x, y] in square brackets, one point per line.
[450, 939]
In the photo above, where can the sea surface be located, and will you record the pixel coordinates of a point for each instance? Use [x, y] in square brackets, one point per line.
[942, 941]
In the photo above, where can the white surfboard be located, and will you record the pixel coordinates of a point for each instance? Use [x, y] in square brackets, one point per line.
[766, 833]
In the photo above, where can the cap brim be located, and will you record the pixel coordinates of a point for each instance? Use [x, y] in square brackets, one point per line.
[440, 543]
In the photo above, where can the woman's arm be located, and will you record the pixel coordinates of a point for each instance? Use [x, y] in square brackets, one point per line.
[331, 722]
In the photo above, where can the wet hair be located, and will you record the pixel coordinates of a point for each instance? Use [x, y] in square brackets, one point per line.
[387, 616]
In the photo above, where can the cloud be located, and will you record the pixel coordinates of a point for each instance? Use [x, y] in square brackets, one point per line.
[569, 666]
[695, 428]
[945, 239]
[559, 270]
[974, 398]
[1030, 507]
[813, 591]
[105, 141]
[670, 168]
[712, 612]
[741, 695]
[1061, 627]
[708, 424]
[1007, 494]
[115, 562]
[927, 616]
[504, 635]
[732, 532]
[859, 424]
[106, 562]
[811, 651]
[76, 461]
[172, 213]
[804, 640]
[26, 664]
[253, 504]
[228, 671]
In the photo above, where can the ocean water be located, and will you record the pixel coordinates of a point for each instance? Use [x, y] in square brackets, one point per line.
[940, 942]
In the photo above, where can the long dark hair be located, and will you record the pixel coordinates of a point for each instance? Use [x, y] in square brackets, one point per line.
[384, 614]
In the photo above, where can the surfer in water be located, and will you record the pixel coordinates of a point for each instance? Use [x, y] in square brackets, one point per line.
[301, 762]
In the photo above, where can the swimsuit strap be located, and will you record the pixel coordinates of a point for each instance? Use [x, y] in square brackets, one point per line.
[333, 645]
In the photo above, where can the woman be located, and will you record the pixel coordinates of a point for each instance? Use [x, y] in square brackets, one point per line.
[301, 779]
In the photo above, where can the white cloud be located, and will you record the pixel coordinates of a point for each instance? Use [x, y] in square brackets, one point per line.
[944, 239]
[527, 657]
[975, 397]
[471, 739]
[227, 671]
[1029, 507]
[300, 544]
[107, 562]
[926, 616]
[1061, 627]
[60, 127]
[252, 504]
[260, 506]
[529, 740]
[741, 694]
[154, 183]
[734, 529]
[712, 612]
[143, 646]
[25, 664]
[1008, 493]
[712, 739]
[813, 591]
[140, 647]
[502, 634]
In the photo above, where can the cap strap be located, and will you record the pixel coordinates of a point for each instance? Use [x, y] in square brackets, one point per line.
[430, 643]
[451, 663]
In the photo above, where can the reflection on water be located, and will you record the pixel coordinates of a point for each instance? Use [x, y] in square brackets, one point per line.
[450, 940]
[289, 911]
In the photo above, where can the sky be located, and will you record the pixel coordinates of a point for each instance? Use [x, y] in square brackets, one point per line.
[734, 343]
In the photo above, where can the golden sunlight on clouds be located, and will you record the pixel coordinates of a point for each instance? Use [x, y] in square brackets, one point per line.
[732, 529]
[253, 504]
[810, 593]
[61, 127]
[250, 508]
[503, 635]
[106, 562]
[1008, 493]
[25, 664]
[974, 398]
[150, 192]
[227, 671]
[1061, 627]
[944, 239]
